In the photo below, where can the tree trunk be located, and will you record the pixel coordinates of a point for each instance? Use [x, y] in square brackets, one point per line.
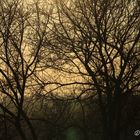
[30, 126]
[111, 122]
[20, 131]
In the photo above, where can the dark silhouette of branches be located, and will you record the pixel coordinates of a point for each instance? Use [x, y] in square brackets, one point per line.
[21, 40]
[99, 40]
[67, 60]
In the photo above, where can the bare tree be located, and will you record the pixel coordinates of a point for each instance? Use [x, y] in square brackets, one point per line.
[99, 41]
[21, 40]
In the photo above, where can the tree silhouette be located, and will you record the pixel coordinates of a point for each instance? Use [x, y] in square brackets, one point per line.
[20, 46]
[99, 41]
